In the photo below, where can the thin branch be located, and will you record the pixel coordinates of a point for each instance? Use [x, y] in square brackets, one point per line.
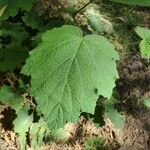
[74, 14]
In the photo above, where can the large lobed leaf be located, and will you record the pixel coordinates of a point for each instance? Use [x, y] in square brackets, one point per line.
[135, 2]
[68, 72]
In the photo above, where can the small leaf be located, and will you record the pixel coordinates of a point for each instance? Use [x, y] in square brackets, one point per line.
[33, 135]
[112, 114]
[41, 135]
[22, 124]
[22, 140]
[145, 48]
[13, 7]
[10, 97]
[12, 57]
[37, 133]
[23, 121]
[32, 20]
[13, 53]
[144, 33]
[2, 10]
[60, 135]
[147, 102]
[94, 143]
[0, 35]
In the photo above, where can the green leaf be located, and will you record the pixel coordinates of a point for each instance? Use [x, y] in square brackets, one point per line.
[37, 133]
[12, 57]
[144, 33]
[41, 135]
[65, 70]
[16, 31]
[23, 121]
[22, 124]
[0, 34]
[145, 48]
[33, 135]
[112, 114]
[2, 10]
[60, 135]
[134, 2]
[146, 102]
[13, 53]
[13, 7]
[33, 20]
[94, 143]
[10, 97]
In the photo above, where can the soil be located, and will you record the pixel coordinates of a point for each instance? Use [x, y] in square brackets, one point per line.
[133, 87]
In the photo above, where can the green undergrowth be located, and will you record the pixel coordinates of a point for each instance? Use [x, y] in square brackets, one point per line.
[61, 57]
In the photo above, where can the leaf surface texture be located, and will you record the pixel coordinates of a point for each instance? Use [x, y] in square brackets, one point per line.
[66, 69]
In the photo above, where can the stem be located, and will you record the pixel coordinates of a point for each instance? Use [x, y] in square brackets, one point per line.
[74, 14]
